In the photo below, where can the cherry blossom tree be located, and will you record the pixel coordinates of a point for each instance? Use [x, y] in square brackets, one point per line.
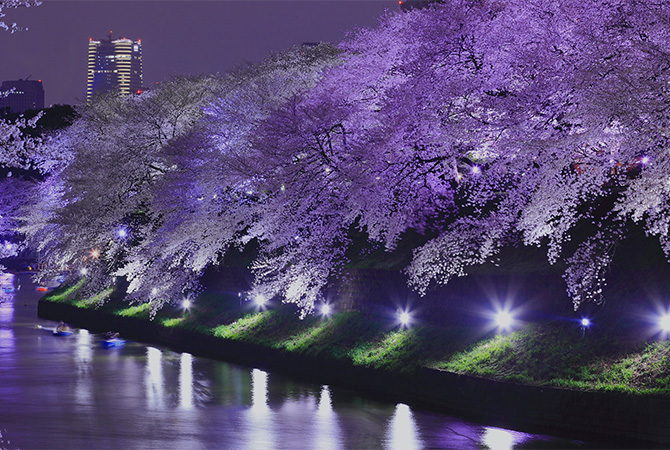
[101, 169]
[474, 124]
[481, 123]
[211, 197]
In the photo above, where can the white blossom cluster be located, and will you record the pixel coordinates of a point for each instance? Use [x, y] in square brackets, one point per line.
[10, 4]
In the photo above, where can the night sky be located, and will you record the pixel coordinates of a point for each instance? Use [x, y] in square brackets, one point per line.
[178, 37]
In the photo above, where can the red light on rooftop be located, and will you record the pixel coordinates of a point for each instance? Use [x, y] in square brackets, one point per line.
[139, 91]
[90, 39]
[400, 2]
[39, 81]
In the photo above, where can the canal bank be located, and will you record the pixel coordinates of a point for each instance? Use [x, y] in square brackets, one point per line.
[614, 416]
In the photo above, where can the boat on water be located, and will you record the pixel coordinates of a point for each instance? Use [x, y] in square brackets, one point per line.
[56, 331]
[113, 343]
[62, 332]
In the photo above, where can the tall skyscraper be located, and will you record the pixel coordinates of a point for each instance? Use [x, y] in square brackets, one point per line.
[114, 65]
[21, 95]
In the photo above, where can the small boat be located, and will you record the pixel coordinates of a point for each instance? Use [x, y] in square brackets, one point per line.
[113, 343]
[62, 332]
[56, 331]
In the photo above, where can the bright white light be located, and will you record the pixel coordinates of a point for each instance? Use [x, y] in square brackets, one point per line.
[95, 253]
[259, 390]
[402, 432]
[404, 317]
[476, 170]
[122, 233]
[153, 380]
[260, 300]
[186, 381]
[645, 160]
[664, 322]
[586, 322]
[154, 291]
[326, 309]
[498, 439]
[186, 303]
[84, 271]
[504, 320]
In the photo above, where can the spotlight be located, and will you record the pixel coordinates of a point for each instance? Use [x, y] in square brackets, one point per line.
[664, 322]
[186, 303]
[260, 300]
[405, 318]
[326, 309]
[504, 320]
[585, 322]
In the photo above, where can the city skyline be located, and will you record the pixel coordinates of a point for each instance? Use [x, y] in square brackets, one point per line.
[178, 37]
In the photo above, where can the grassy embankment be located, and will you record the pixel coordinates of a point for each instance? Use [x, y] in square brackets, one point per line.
[615, 355]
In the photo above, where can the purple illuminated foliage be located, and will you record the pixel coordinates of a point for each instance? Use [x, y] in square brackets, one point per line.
[477, 123]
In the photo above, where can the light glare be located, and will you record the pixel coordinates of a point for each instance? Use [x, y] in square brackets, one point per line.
[404, 317]
[664, 322]
[260, 300]
[586, 322]
[325, 309]
[504, 320]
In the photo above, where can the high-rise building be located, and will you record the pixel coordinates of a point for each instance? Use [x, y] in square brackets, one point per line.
[21, 95]
[114, 65]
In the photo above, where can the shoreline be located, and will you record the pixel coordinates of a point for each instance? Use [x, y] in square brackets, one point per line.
[615, 417]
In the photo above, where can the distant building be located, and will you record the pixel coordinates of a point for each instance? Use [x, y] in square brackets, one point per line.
[114, 66]
[21, 95]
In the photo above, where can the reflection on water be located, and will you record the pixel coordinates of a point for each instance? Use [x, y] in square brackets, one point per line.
[186, 381]
[9, 282]
[498, 439]
[7, 341]
[328, 434]
[69, 393]
[84, 352]
[154, 379]
[83, 359]
[260, 428]
[7, 311]
[402, 433]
